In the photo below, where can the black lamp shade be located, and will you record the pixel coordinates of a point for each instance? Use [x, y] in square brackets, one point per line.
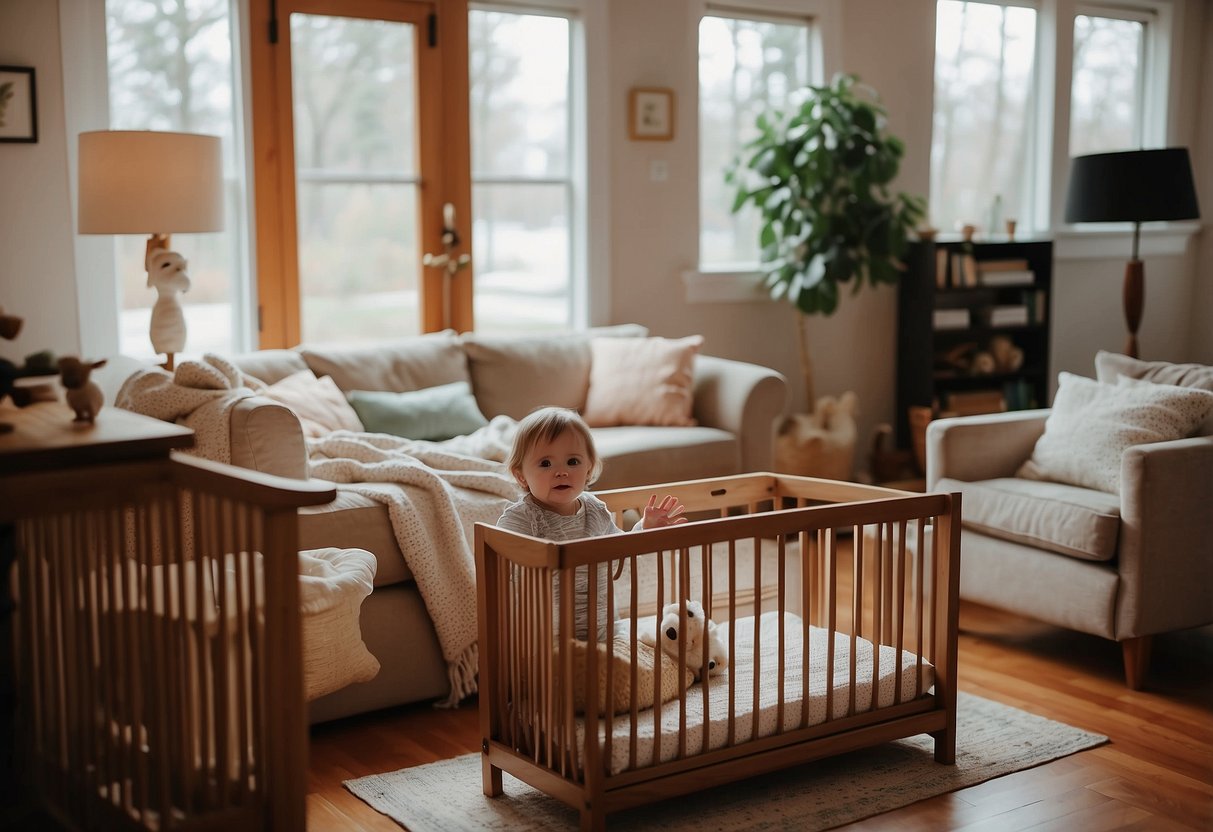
[1132, 186]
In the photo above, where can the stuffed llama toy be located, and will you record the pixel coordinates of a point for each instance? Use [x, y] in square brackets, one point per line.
[701, 633]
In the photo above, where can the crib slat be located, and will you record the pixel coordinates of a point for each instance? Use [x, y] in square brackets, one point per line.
[856, 614]
[831, 616]
[780, 606]
[807, 558]
[919, 578]
[634, 566]
[732, 730]
[899, 569]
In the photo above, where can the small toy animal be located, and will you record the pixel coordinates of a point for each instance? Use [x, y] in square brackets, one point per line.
[701, 634]
[83, 396]
[166, 274]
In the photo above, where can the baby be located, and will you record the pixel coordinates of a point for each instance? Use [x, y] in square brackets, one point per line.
[553, 458]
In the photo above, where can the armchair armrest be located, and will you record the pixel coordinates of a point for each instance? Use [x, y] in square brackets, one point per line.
[267, 437]
[745, 399]
[984, 447]
[1166, 543]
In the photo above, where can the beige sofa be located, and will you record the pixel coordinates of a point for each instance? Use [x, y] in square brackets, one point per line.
[1124, 566]
[736, 406]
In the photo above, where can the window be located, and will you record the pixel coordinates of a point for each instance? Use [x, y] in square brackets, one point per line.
[1107, 87]
[982, 149]
[524, 203]
[170, 67]
[745, 66]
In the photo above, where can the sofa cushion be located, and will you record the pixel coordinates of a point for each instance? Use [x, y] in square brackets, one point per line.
[355, 522]
[1092, 423]
[270, 366]
[1109, 366]
[641, 381]
[513, 375]
[320, 406]
[404, 364]
[1079, 522]
[637, 455]
[434, 413]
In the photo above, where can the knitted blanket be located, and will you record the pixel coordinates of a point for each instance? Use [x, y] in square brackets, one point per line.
[198, 395]
[434, 492]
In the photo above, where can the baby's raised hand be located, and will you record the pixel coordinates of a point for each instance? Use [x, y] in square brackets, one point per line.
[667, 513]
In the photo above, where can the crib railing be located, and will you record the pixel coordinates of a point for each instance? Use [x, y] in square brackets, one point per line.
[159, 656]
[772, 546]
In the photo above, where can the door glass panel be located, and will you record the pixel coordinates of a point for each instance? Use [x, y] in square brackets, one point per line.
[356, 181]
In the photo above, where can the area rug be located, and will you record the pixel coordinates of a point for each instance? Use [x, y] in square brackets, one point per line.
[993, 740]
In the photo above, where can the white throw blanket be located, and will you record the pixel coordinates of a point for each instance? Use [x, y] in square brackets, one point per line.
[198, 395]
[434, 492]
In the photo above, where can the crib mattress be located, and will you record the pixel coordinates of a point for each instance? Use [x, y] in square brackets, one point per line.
[714, 719]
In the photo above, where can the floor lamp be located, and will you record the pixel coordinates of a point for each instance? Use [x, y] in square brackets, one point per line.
[159, 184]
[1132, 186]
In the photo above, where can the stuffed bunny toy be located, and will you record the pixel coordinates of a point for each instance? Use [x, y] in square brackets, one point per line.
[83, 396]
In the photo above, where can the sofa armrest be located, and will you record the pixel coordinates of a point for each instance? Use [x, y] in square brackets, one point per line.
[747, 400]
[1166, 542]
[267, 437]
[984, 447]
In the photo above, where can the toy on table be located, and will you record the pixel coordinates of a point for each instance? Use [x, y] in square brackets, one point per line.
[83, 396]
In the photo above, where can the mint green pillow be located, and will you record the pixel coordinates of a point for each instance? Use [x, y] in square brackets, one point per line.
[441, 412]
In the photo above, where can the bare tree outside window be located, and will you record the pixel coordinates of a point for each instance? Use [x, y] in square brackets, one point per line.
[170, 68]
[1106, 88]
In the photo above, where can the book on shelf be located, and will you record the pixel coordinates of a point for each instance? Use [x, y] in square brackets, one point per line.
[964, 270]
[1035, 301]
[950, 318]
[1007, 277]
[1015, 265]
[1009, 315]
[941, 268]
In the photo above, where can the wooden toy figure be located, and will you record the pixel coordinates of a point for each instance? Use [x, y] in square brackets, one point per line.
[166, 274]
[83, 396]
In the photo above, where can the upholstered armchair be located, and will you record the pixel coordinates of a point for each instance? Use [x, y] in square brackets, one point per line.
[1124, 565]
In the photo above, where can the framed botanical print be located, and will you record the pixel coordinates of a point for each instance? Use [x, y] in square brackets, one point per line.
[651, 114]
[18, 105]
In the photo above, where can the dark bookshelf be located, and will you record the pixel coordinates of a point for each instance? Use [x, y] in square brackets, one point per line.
[938, 361]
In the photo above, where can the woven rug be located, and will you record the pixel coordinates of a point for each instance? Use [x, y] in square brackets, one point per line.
[993, 739]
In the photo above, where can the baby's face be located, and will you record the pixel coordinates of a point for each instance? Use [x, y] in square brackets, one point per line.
[555, 472]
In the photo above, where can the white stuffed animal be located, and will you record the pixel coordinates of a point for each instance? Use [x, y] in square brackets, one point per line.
[700, 631]
[166, 274]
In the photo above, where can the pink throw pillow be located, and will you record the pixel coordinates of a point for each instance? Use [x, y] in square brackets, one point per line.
[318, 402]
[641, 381]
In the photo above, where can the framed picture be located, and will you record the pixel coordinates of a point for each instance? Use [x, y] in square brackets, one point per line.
[651, 114]
[18, 105]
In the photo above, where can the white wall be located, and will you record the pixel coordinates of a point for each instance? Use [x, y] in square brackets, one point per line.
[37, 263]
[652, 225]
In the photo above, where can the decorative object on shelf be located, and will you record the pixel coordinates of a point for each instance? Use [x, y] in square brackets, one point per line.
[18, 105]
[1132, 186]
[37, 364]
[447, 261]
[84, 397]
[155, 183]
[1011, 224]
[651, 114]
[1008, 358]
[819, 175]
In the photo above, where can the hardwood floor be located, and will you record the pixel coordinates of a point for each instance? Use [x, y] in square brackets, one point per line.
[1155, 774]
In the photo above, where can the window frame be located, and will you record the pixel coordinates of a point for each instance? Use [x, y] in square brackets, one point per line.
[707, 284]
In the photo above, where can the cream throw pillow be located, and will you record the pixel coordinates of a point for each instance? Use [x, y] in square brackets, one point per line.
[1092, 423]
[641, 381]
[320, 406]
[333, 583]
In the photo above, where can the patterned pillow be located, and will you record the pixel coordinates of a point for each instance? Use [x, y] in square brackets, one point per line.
[1092, 423]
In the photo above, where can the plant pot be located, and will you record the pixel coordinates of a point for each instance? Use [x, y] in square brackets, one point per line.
[821, 443]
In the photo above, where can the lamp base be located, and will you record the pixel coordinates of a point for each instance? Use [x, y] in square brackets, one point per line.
[1134, 301]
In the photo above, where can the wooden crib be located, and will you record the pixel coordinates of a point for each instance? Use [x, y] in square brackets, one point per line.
[765, 563]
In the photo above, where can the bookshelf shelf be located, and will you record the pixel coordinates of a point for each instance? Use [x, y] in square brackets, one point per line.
[947, 367]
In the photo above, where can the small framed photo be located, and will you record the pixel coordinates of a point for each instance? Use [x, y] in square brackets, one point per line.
[18, 105]
[651, 114]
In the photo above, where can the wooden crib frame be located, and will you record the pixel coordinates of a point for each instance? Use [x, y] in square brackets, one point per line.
[904, 591]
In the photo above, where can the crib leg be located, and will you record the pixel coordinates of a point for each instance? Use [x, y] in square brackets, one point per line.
[945, 745]
[592, 821]
[491, 775]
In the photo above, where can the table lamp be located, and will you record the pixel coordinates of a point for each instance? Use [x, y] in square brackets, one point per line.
[1132, 186]
[159, 184]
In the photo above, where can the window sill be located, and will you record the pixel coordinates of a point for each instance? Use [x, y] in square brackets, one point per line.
[1115, 240]
[724, 286]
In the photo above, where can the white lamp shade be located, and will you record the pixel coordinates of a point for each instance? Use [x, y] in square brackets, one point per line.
[146, 182]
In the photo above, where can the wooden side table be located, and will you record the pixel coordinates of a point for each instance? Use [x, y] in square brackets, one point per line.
[159, 658]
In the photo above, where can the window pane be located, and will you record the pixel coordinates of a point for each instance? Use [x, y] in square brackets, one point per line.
[522, 188]
[522, 257]
[519, 66]
[353, 85]
[170, 68]
[745, 66]
[1105, 92]
[981, 146]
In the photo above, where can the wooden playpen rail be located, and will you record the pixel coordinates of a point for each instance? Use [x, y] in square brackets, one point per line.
[903, 593]
[160, 660]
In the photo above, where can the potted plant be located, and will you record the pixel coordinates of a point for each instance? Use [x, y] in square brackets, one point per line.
[819, 175]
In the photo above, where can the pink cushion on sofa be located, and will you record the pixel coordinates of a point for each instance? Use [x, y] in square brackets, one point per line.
[641, 381]
[320, 406]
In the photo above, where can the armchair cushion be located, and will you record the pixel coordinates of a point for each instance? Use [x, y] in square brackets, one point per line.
[1078, 522]
[1092, 423]
[1110, 366]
